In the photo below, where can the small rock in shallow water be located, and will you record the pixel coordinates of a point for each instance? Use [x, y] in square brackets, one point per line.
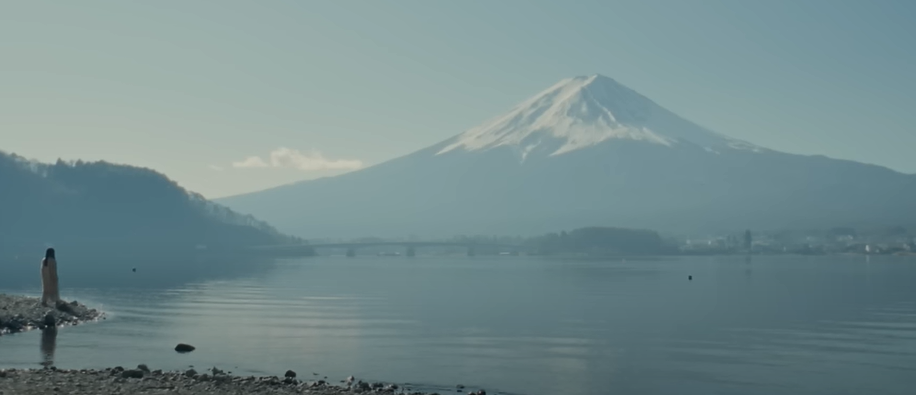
[290, 374]
[143, 367]
[181, 347]
[190, 373]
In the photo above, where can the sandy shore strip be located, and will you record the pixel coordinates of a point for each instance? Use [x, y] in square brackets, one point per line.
[23, 313]
[210, 382]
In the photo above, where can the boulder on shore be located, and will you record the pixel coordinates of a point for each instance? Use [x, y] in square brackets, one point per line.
[132, 374]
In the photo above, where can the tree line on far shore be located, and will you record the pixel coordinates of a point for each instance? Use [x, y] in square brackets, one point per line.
[601, 241]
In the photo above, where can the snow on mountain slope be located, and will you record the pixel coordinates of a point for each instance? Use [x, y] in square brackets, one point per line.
[582, 112]
[587, 151]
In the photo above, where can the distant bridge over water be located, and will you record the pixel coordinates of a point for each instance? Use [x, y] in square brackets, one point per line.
[409, 246]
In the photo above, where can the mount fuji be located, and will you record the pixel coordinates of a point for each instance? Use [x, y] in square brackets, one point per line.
[588, 151]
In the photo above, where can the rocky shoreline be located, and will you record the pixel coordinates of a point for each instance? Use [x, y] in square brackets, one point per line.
[23, 313]
[213, 381]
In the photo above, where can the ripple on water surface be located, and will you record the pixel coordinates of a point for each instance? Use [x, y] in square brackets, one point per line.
[521, 324]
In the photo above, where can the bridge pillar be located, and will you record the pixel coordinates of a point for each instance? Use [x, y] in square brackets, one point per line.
[351, 252]
[411, 251]
[471, 251]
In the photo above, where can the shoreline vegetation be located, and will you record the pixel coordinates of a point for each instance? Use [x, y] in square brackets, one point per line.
[23, 313]
[213, 381]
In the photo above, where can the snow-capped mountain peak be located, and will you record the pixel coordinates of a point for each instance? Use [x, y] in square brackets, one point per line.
[584, 111]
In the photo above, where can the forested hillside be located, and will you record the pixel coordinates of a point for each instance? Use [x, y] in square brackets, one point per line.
[103, 205]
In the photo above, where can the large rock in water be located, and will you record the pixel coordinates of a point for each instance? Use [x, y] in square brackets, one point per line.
[183, 348]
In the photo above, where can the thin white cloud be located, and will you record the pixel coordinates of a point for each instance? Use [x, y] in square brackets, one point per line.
[314, 160]
[249, 162]
[214, 167]
[287, 158]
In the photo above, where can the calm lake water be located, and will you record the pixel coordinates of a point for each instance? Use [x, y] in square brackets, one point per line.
[518, 325]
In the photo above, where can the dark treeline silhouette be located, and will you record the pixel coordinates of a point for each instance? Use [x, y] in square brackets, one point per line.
[99, 206]
[601, 241]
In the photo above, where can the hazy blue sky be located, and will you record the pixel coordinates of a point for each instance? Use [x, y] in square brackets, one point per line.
[189, 88]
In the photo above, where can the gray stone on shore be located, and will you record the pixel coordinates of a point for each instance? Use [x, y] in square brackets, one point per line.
[139, 381]
[132, 374]
[135, 381]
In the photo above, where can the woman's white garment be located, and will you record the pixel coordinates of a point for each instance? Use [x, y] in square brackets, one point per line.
[49, 287]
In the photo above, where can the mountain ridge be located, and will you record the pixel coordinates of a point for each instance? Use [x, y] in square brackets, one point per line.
[80, 204]
[642, 167]
[584, 111]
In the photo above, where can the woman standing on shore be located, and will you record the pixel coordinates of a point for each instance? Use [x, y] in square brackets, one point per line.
[49, 287]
